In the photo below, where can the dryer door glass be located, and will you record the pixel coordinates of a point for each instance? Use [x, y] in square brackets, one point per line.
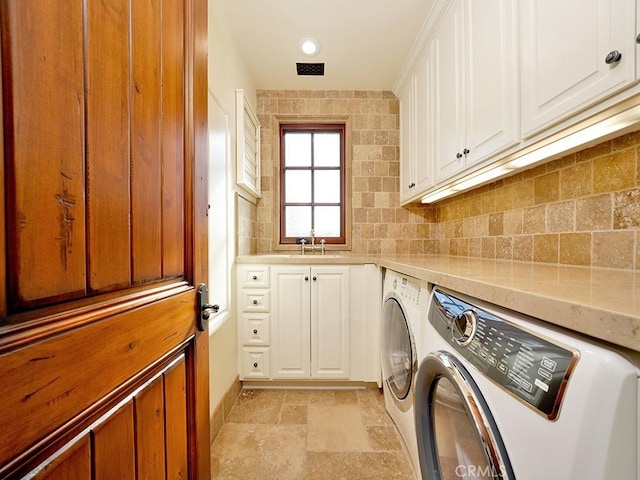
[457, 434]
[397, 352]
[457, 442]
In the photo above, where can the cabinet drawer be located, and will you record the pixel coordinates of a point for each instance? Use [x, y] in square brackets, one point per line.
[251, 276]
[255, 362]
[255, 329]
[254, 300]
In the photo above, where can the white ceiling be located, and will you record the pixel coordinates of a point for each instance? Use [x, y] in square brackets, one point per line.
[363, 43]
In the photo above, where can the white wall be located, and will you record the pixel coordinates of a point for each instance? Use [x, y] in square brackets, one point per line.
[226, 73]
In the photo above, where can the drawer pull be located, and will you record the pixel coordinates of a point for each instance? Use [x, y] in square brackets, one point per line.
[255, 302]
[614, 56]
[255, 277]
[255, 364]
[255, 331]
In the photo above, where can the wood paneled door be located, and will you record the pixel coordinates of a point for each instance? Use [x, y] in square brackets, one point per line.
[103, 239]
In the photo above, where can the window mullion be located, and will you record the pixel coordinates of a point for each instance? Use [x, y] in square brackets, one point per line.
[313, 182]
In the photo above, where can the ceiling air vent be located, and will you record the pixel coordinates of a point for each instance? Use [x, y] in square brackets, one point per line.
[310, 68]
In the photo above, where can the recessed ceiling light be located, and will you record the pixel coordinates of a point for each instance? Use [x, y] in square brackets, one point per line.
[309, 47]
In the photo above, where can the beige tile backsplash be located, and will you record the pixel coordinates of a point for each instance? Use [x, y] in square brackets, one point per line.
[582, 209]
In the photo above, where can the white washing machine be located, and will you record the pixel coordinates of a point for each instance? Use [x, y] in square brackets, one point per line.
[500, 395]
[403, 311]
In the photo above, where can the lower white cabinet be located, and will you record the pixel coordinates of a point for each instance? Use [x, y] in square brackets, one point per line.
[321, 322]
[310, 322]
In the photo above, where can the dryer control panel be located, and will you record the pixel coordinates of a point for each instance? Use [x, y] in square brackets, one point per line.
[535, 370]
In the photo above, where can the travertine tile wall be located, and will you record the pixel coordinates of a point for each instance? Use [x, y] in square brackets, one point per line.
[583, 209]
[246, 227]
[379, 225]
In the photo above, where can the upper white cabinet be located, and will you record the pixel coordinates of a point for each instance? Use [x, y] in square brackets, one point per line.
[574, 53]
[416, 172]
[493, 79]
[247, 146]
[473, 57]
[492, 90]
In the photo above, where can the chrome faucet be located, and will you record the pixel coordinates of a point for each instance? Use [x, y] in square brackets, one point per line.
[313, 247]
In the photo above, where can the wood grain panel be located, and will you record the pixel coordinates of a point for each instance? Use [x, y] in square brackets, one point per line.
[175, 385]
[173, 115]
[53, 379]
[74, 463]
[43, 95]
[145, 142]
[113, 446]
[107, 134]
[149, 415]
[197, 139]
[3, 225]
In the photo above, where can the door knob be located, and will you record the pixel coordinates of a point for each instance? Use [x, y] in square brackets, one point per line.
[205, 309]
[210, 310]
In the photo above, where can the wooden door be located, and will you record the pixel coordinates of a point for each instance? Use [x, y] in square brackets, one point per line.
[103, 235]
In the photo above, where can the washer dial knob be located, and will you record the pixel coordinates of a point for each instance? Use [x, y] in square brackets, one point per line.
[464, 327]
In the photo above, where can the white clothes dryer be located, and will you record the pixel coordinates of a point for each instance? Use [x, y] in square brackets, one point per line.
[403, 310]
[501, 395]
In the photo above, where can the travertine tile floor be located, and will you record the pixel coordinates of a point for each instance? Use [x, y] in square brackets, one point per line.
[309, 435]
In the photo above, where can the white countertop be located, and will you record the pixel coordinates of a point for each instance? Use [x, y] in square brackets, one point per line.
[601, 303]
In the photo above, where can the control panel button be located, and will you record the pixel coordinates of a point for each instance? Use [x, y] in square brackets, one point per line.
[549, 364]
[545, 374]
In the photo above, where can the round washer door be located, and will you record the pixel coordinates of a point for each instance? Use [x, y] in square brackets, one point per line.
[457, 435]
[399, 362]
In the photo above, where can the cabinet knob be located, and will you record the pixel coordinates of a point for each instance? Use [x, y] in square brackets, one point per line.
[638, 38]
[255, 277]
[306, 279]
[411, 185]
[613, 56]
[255, 302]
[255, 331]
[255, 364]
[458, 155]
[314, 279]
[466, 151]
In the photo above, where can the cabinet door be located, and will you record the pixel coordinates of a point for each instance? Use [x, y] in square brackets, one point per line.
[423, 160]
[416, 152]
[330, 322]
[492, 106]
[564, 46]
[408, 139]
[446, 52]
[289, 337]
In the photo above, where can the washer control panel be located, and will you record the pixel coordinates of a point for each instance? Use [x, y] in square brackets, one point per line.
[408, 289]
[533, 369]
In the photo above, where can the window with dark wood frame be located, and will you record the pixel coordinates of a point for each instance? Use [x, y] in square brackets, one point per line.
[312, 182]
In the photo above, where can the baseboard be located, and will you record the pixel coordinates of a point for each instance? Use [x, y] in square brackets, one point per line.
[221, 412]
